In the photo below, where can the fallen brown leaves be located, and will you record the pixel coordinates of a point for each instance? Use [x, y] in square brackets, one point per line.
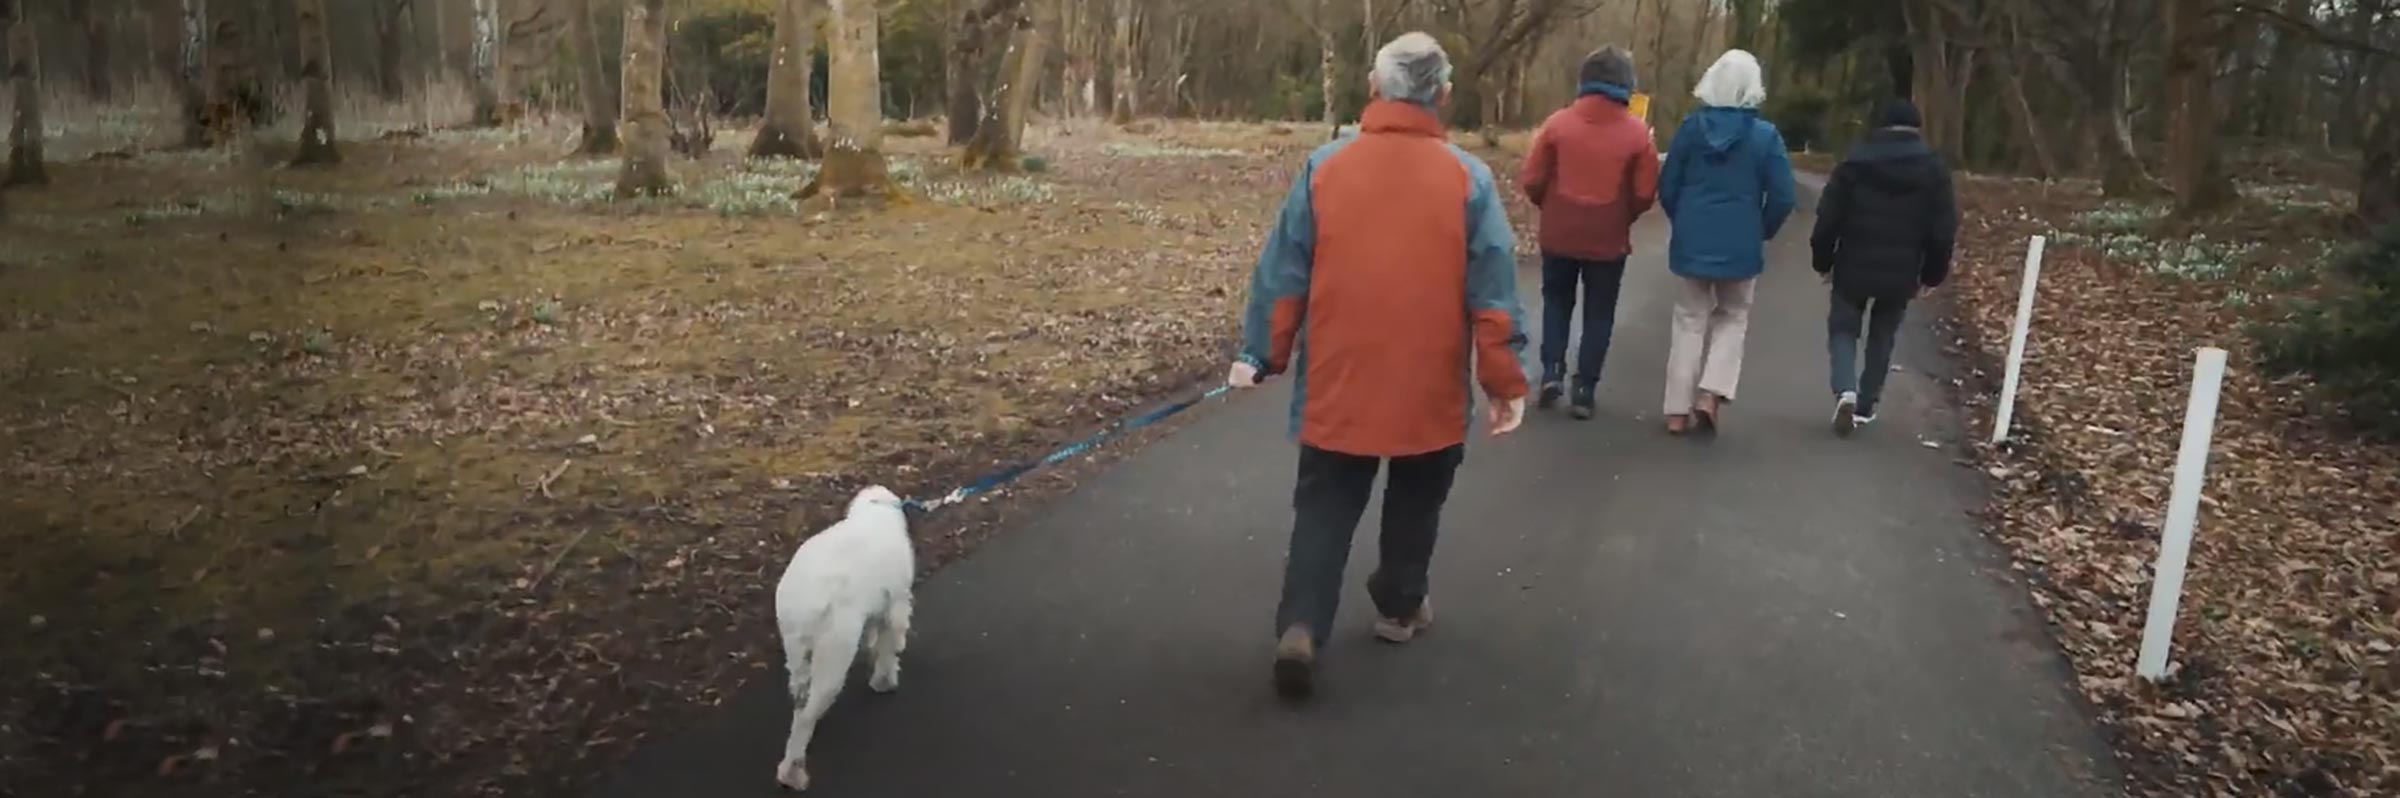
[509, 480]
[2285, 678]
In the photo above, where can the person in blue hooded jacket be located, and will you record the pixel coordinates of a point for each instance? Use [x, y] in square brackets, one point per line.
[1726, 188]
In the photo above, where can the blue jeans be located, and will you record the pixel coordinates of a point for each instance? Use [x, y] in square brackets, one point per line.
[1880, 320]
[1600, 280]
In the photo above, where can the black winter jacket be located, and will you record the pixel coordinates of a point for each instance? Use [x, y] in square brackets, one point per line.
[1888, 219]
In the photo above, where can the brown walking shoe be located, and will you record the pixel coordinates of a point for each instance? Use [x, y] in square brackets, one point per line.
[1402, 630]
[1296, 662]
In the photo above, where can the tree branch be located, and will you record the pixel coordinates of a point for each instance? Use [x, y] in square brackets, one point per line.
[2306, 27]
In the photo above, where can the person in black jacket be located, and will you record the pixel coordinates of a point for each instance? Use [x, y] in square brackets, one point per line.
[1886, 226]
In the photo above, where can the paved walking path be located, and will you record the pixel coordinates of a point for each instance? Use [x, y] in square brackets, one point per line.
[1778, 613]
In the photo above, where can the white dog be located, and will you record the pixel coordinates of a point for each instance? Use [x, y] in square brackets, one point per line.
[851, 581]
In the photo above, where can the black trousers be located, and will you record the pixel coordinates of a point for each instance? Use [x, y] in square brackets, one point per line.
[1327, 502]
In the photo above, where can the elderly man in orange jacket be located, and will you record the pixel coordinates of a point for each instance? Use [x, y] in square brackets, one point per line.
[1389, 279]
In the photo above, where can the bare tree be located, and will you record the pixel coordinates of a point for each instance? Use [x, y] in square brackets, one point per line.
[999, 140]
[391, 48]
[316, 76]
[645, 122]
[982, 19]
[528, 37]
[193, 72]
[1123, 106]
[2193, 164]
[96, 75]
[591, 79]
[486, 62]
[25, 81]
[854, 163]
[790, 130]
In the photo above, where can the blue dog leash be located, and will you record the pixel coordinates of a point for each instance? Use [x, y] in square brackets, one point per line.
[1077, 449]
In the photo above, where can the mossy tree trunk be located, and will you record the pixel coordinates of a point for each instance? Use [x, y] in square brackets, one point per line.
[316, 77]
[790, 130]
[854, 163]
[591, 78]
[645, 122]
[24, 79]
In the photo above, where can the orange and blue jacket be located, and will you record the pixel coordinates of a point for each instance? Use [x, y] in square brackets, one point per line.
[1387, 288]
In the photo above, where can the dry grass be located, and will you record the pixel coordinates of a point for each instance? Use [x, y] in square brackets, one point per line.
[400, 475]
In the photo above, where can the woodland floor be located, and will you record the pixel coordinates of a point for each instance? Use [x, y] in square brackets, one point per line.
[438, 473]
[2286, 681]
[441, 473]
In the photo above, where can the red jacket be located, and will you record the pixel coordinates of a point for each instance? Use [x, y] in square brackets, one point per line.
[1592, 172]
[1389, 282]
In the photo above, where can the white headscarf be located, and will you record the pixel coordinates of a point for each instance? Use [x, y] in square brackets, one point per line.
[1734, 81]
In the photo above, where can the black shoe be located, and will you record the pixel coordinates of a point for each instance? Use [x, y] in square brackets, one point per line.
[1845, 414]
[1554, 385]
[1584, 402]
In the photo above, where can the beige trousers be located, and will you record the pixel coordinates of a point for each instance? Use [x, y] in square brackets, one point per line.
[1704, 350]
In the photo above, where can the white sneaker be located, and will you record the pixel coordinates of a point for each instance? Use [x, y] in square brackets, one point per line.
[1845, 414]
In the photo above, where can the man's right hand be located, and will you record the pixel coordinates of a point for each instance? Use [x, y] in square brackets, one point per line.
[1506, 415]
[1243, 375]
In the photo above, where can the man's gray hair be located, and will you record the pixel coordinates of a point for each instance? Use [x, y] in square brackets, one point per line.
[1413, 69]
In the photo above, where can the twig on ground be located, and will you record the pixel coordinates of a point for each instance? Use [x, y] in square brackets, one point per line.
[543, 485]
[561, 556]
[176, 532]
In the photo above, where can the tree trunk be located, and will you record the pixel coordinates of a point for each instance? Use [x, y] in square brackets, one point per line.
[24, 78]
[390, 48]
[591, 79]
[486, 62]
[191, 73]
[1932, 85]
[965, 105]
[854, 164]
[2279, 109]
[644, 171]
[1326, 50]
[2193, 165]
[1122, 107]
[96, 76]
[1749, 18]
[528, 36]
[1000, 138]
[316, 77]
[2036, 138]
[2379, 176]
[790, 129]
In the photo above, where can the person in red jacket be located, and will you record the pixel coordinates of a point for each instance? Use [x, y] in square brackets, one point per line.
[1388, 290]
[1592, 171]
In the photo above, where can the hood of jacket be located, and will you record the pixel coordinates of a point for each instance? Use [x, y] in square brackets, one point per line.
[1896, 160]
[1725, 128]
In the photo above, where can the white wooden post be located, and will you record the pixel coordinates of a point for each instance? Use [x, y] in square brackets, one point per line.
[2016, 340]
[2183, 513]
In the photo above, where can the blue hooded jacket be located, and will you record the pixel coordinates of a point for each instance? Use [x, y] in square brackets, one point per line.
[1727, 189]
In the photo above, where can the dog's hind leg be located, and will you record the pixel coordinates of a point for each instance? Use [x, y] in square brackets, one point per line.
[829, 658]
[890, 639]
